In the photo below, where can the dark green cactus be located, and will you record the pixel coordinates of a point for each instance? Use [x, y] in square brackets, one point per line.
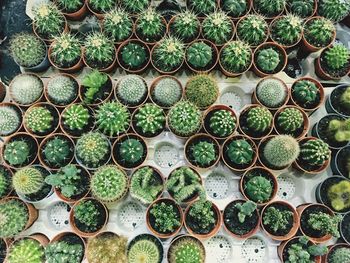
[268, 59]
[131, 151]
[259, 119]
[57, 151]
[315, 152]
[17, 152]
[290, 119]
[258, 189]
[203, 153]
[222, 123]
[240, 152]
[305, 92]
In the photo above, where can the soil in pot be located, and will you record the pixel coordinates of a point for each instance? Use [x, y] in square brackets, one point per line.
[304, 217]
[195, 226]
[288, 226]
[102, 94]
[3, 250]
[345, 228]
[335, 99]
[343, 162]
[75, 132]
[100, 222]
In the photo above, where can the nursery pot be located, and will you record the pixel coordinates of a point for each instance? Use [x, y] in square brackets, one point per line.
[186, 41]
[75, 15]
[333, 104]
[162, 72]
[70, 238]
[107, 93]
[20, 116]
[339, 162]
[283, 45]
[345, 228]
[106, 69]
[331, 250]
[76, 67]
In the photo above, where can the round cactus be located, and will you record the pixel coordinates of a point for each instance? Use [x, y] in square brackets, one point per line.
[259, 119]
[9, 120]
[290, 119]
[222, 123]
[131, 151]
[131, 90]
[315, 152]
[144, 250]
[57, 151]
[26, 250]
[28, 180]
[38, 119]
[26, 89]
[271, 92]
[203, 153]
[150, 119]
[76, 117]
[17, 152]
[268, 59]
[186, 249]
[337, 57]
[167, 91]
[240, 152]
[62, 90]
[258, 189]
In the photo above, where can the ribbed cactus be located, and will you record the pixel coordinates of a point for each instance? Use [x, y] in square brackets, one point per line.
[271, 92]
[287, 30]
[319, 31]
[28, 180]
[26, 250]
[338, 195]
[341, 254]
[17, 153]
[26, 89]
[186, 249]
[240, 152]
[203, 153]
[305, 92]
[5, 181]
[290, 119]
[235, 8]
[301, 8]
[57, 151]
[334, 10]
[217, 27]
[109, 183]
[150, 119]
[14, 217]
[131, 151]
[222, 123]
[315, 152]
[9, 120]
[258, 189]
[117, 24]
[150, 26]
[131, 90]
[76, 117]
[269, 8]
[259, 119]
[252, 29]
[167, 92]
[144, 249]
[199, 55]
[185, 26]
[336, 57]
[62, 90]
[236, 56]
[59, 251]
[267, 59]
[281, 151]
[38, 119]
[202, 90]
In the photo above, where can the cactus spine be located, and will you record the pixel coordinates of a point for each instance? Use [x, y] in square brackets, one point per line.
[259, 119]
[271, 92]
[222, 123]
[150, 119]
[167, 92]
[38, 119]
[131, 90]
[9, 120]
[290, 119]
[315, 152]
[26, 89]
[62, 90]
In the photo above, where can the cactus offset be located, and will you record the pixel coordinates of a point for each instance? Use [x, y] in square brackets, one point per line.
[62, 89]
[167, 91]
[271, 92]
[131, 90]
[38, 119]
[290, 120]
[28, 181]
[259, 119]
[17, 152]
[315, 152]
[76, 117]
[150, 119]
[222, 123]
[9, 120]
[202, 90]
[26, 89]
[240, 152]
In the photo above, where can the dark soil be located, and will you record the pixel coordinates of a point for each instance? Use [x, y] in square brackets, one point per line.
[228, 160]
[305, 217]
[45, 189]
[195, 141]
[244, 127]
[324, 187]
[281, 57]
[334, 73]
[101, 220]
[335, 100]
[289, 225]
[87, 128]
[342, 160]
[102, 94]
[195, 227]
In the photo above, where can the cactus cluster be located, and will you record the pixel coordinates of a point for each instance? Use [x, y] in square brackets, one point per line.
[334, 10]
[271, 92]
[87, 213]
[10, 120]
[269, 8]
[101, 6]
[66, 50]
[76, 117]
[17, 152]
[144, 248]
[150, 26]
[59, 251]
[277, 219]
[26, 88]
[28, 180]
[166, 217]
[306, 93]
[131, 90]
[14, 217]
[185, 26]
[315, 152]
[62, 90]
[134, 55]
[341, 254]
[26, 250]
[202, 214]
[217, 27]
[202, 90]
[268, 59]
[94, 83]
[252, 29]
[38, 119]
[57, 151]
[240, 152]
[222, 123]
[199, 55]
[150, 119]
[167, 91]
[236, 57]
[344, 99]
[319, 32]
[324, 223]
[131, 152]
[259, 119]
[301, 8]
[337, 57]
[235, 8]
[118, 25]
[339, 130]
[135, 7]
[5, 181]
[112, 118]
[202, 7]
[290, 120]
[186, 248]
[203, 153]
[287, 30]
[258, 189]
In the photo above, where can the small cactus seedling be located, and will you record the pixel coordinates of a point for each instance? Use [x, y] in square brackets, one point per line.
[290, 120]
[10, 120]
[26, 250]
[76, 117]
[252, 29]
[131, 90]
[185, 26]
[167, 91]
[240, 152]
[57, 151]
[17, 152]
[150, 119]
[199, 55]
[25, 89]
[306, 93]
[62, 90]
[315, 152]
[28, 180]
[258, 189]
[222, 123]
[271, 92]
[203, 153]
[38, 119]
[186, 249]
[118, 25]
[217, 27]
[131, 152]
[259, 119]
[268, 59]
[150, 26]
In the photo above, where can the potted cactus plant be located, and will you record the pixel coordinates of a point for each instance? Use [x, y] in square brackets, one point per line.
[185, 26]
[99, 8]
[118, 25]
[303, 9]
[166, 91]
[5, 181]
[339, 101]
[344, 228]
[338, 253]
[131, 90]
[11, 118]
[236, 8]
[201, 56]
[307, 93]
[129, 151]
[184, 247]
[146, 184]
[334, 10]
[218, 28]
[147, 247]
[291, 120]
[150, 26]
[202, 151]
[135, 7]
[202, 8]
[253, 30]
[73, 10]
[62, 90]
[269, 9]
[340, 164]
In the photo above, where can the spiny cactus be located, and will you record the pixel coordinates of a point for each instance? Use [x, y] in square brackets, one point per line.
[87, 213]
[92, 148]
[112, 118]
[240, 152]
[301, 8]
[135, 7]
[258, 189]
[66, 50]
[26, 89]
[150, 26]
[259, 119]
[144, 249]
[281, 151]
[38, 119]
[109, 183]
[271, 92]
[252, 29]
[203, 153]
[131, 90]
[26, 250]
[117, 24]
[325, 223]
[150, 119]
[202, 214]
[62, 90]
[334, 10]
[222, 123]
[5, 181]
[217, 27]
[339, 195]
[287, 30]
[199, 55]
[268, 59]
[134, 55]
[76, 117]
[70, 6]
[61, 250]
[186, 249]
[306, 93]
[269, 8]
[184, 118]
[14, 217]
[9, 120]
[131, 151]
[202, 7]
[167, 91]
[235, 8]
[341, 254]
[290, 120]
[337, 57]
[236, 57]
[315, 152]
[319, 32]
[185, 26]
[202, 90]
[246, 209]
[17, 152]
[28, 180]
[339, 130]
[166, 217]
[57, 151]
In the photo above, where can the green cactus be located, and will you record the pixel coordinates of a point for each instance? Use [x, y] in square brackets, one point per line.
[57, 151]
[339, 195]
[66, 50]
[217, 27]
[277, 219]
[236, 57]
[341, 254]
[186, 249]
[290, 120]
[150, 119]
[319, 32]
[258, 189]
[144, 248]
[101, 6]
[76, 117]
[87, 213]
[269, 8]
[10, 120]
[268, 59]
[203, 153]
[306, 93]
[287, 30]
[5, 181]
[259, 119]
[339, 130]
[150, 26]
[134, 55]
[222, 123]
[14, 218]
[240, 152]
[28, 180]
[118, 25]
[112, 118]
[166, 216]
[235, 8]
[252, 29]
[62, 251]
[94, 82]
[92, 148]
[303, 251]
[184, 118]
[344, 99]
[246, 209]
[131, 152]
[202, 214]
[109, 184]
[17, 153]
[315, 152]
[26, 89]
[70, 6]
[202, 7]
[135, 7]
[26, 250]
[131, 90]
[281, 151]
[62, 90]
[301, 8]
[167, 91]
[199, 55]
[38, 119]
[271, 92]
[145, 185]
[202, 90]
[325, 224]
[185, 26]
[334, 10]
[336, 57]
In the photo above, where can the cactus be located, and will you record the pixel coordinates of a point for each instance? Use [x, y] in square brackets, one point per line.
[131, 151]
[240, 152]
[202, 214]
[28, 180]
[235, 8]
[185, 26]
[94, 83]
[222, 123]
[5, 181]
[27, 50]
[202, 7]
[252, 29]
[26, 250]
[131, 90]
[17, 153]
[166, 217]
[281, 151]
[26, 89]
[101, 6]
[87, 213]
[319, 32]
[269, 8]
[268, 59]
[150, 119]
[301, 8]
[339, 130]
[62, 251]
[66, 50]
[271, 92]
[334, 10]
[144, 185]
[92, 148]
[70, 6]
[57, 151]
[341, 254]
[199, 55]
[144, 249]
[259, 189]
[14, 218]
[236, 57]
[112, 118]
[186, 249]
[118, 25]
[202, 90]
[303, 251]
[344, 99]
[324, 223]
[76, 117]
[134, 55]
[109, 183]
[184, 118]
[259, 119]
[38, 119]
[135, 7]
[305, 92]
[62, 90]
[315, 152]
[339, 195]
[337, 57]
[277, 218]
[203, 153]
[167, 91]
[10, 120]
[287, 30]
[246, 209]
[290, 120]
[150, 26]
[217, 27]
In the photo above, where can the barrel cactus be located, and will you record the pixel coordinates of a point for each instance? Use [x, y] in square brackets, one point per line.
[240, 152]
[268, 60]
[144, 248]
[38, 119]
[17, 153]
[76, 117]
[258, 189]
[28, 180]
[185, 26]
[315, 152]
[217, 27]
[131, 90]
[203, 153]
[305, 93]
[26, 250]
[26, 89]
[150, 119]
[62, 90]
[290, 120]
[167, 91]
[271, 92]
[235, 8]
[10, 120]
[202, 90]
[336, 57]
[259, 119]
[131, 151]
[222, 123]
[186, 248]
[5, 181]
[57, 151]
[199, 55]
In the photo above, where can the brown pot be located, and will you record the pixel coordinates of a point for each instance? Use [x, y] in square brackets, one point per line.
[325, 259]
[77, 15]
[65, 30]
[2, 91]
[171, 22]
[138, 132]
[306, 123]
[271, 31]
[295, 225]
[154, 42]
[154, 231]
[20, 113]
[81, 92]
[252, 46]
[320, 88]
[256, 100]
[160, 70]
[213, 231]
[9, 174]
[79, 65]
[61, 235]
[259, 72]
[123, 102]
[107, 69]
[299, 166]
[41, 238]
[268, 174]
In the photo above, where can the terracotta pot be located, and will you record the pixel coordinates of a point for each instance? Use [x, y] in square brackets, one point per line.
[61, 235]
[106, 69]
[151, 42]
[95, 13]
[143, 101]
[256, 69]
[2, 91]
[235, 18]
[20, 114]
[81, 92]
[252, 46]
[41, 238]
[77, 15]
[79, 65]
[306, 122]
[154, 231]
[8, 173]
[159, 69]
[139, 130]
[325, 259]
[65, 30]
[178, 239]
[171, 22]
[295, 225]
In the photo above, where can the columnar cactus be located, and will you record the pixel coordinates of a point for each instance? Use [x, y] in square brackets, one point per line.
[258, 189]
[38, 119]
[281, 151]
[150, 119]
[56, 151]
[17, 153]
[131, 90]
[186, 248]
[290, 119]
[9, 120]
[26, 89]
[240, 152]
[222, 123]
[62, 90]
[315, 152]
[131, 151]
[337, 57]
[28, 180]
[76, 117]
[259, 119]
[305, 92]
[268, 59]
[26, 250]
[203, 153]
[271, 92]
[167, 91]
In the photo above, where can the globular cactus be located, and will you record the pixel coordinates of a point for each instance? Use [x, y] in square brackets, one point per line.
[287, 30]
[199, 55]
[236, 56]
[319, 31]
[345, 99]
[66, 50]
[167, 92]
[117, 24]
[5, 181]
[271, 92]
[38, 119]
[150, 26]
[235, 8]
[131, 90]
[144, 249]
[17, 153]
[240, 152]
[258, 189]
[185, 25]
[62, 90]
[26, 89]
[337, 57]
[135, 7]
[339, 194]
[9, 120]
[334, 10]
[76, 117]
[26, 250]
[134, 55]
[341, 254]
[252, 29]
[131, 151]
[62, 250]
[202, 90]
[281, 151]
[290, 119]
[305, 92]
[315, 152]
[202, 7]
[222, 123]
[150, 119]
[268, 60]
[203, 153]
[217, 27]
[28, 180]
[56, 151]
[185, 248]
[301, 8]
[269, 8]
[259, 119]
